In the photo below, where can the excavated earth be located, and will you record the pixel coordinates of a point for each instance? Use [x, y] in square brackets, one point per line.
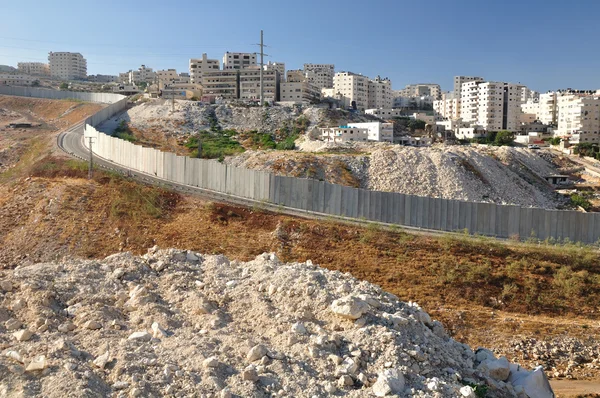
[179, 323]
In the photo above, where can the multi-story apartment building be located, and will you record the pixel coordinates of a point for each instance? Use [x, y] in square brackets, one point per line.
[420, 90]
[448, 107]
[67, 66]
[142, 74]
[250, 84]
[103, 79]
[170, 76]
[380, 93]
[386, 113]
[492, 105]
[238, 60]
[579, 116]
[200, 65]
[373, 131]
[548, 109]
[12, 79]
[353, 88]
[223, 84]
[377, 131]
[300, 92]
[34, 68]
[321, 75]
[278, 66]
[458, 82]
[296, 76]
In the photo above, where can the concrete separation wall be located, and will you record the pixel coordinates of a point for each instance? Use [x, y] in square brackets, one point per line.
[317, 196]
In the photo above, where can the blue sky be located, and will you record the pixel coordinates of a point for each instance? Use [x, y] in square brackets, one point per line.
[545, 44]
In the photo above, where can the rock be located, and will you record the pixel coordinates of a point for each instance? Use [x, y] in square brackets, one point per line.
[12, 324]
[142, 336]
[157, 331]
[66, 327]
[349, 307]
[299, 328]
[6, 286]
[191, 257]
[18, 305]
[102, 360]
[118, 273]
[250, 374]
[210, 362]
[535, 384]
[256, 353]
[468, 392]
[345, 381]
[120, 385]
[349, 366]
[225, 393]
[38, 363]
[390, 381]
[482, 354]
[23, 335]
[498, 369]
[424, 318]
[329, 387]
[92, 325]
[14, 355]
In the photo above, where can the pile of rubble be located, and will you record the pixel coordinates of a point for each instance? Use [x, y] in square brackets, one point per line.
[178, 323]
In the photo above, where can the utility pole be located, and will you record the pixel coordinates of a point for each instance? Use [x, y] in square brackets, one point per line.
[173, 102]
[262, 65]
[90, 172]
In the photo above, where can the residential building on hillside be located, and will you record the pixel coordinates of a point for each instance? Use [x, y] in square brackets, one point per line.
[321, 75]
[548, 109]
[238, 60]
[296, 76]
[386, 113]
[222, 84]
[380, 93]
[250, 84]
[278, 66]
[377, 131]
[531, 107]
[344, 134]
[448, 107]
[299, 92]
[354, 89]
[492, 105]
[103, 79]
[458, 82]
[420, 90]
[200, 65]
[34, 68]
[579, 116]
[12, 79]
[142, 75]
[170, 76]
[67, 66]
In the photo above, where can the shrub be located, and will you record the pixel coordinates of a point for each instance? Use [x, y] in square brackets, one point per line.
[570, 284]
[581, 201]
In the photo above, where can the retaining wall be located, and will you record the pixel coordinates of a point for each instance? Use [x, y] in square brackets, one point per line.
[305, 194]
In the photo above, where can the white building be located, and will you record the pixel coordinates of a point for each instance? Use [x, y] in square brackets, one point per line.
[238, 60]
[353, 88]
[11, 79]
[448, 107]
[34, 68]
[170, 76]
[385, 113]
[380, 93]
[250, 84]
[220, 84]
[377, 131]
[103, 79]
[579, 116]
[458, 82]
[420, 90]
[67, 66]
[142, 75]
[344, 134]
[548, 109]
[201, 65]
[492, 105]
[321, 75]
[278, 66]
[299, 92]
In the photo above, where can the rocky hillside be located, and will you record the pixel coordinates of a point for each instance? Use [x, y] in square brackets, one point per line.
[191, 117]
[178, 322]
[502, 175]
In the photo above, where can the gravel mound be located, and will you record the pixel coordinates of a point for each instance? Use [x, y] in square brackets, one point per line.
[177, 323]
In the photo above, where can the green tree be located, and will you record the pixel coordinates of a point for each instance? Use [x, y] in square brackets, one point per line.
[35, 83]
[142, 85]
[416, 124]
[64, 86]
[504, 138]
